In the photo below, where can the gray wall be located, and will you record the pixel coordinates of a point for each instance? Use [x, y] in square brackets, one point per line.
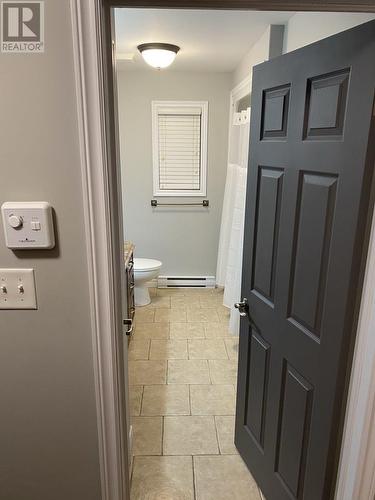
[185, 240]
[48, 428]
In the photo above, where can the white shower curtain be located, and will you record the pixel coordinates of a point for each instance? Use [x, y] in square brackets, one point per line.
[226, 224]
[229, 266]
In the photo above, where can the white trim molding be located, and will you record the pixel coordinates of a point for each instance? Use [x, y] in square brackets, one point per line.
[241, 89]
[356, 478]
[236, 94]
[91, 127]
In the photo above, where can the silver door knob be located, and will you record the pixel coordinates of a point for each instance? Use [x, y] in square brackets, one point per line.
[243, 307]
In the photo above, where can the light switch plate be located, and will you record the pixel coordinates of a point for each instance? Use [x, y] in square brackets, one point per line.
[17, 289]
[28, 224]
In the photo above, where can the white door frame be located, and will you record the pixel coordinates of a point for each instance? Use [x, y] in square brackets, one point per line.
[356, 475]
[87, 49]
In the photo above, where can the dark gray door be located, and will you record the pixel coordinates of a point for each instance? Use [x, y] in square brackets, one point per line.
[310, 169]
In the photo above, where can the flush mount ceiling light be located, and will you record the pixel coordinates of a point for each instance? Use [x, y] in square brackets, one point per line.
[158, 55]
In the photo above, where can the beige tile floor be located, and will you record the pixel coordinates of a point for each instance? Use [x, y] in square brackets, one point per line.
[183, 374]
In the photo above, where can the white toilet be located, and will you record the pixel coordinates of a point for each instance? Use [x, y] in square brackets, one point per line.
[144, 270]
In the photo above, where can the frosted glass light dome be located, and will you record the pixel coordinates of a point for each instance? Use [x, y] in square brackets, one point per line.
[158, 55]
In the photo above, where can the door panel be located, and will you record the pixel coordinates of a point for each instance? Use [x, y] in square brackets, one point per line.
[293, 430]
[311, 162]
[326, 105]
[275, 112]
[257, 376]
[268, 215]
[314, 215]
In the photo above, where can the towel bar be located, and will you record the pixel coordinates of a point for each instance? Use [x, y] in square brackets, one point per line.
[204, 203]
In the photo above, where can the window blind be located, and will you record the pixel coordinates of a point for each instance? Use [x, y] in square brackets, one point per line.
[179, 151]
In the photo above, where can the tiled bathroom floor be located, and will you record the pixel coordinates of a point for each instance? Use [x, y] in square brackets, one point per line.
[182, 371]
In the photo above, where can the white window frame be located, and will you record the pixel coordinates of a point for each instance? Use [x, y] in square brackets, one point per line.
[156, 107]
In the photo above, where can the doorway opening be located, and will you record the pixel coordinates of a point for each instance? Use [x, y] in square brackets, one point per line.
[187, 128]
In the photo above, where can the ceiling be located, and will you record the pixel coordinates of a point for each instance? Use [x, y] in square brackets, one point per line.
[210, 40]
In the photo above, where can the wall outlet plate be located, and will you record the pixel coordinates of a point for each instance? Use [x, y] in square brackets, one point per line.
[17, 289]
[28, 224]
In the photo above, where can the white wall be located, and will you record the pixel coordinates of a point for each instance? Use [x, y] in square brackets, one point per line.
[257, 54]
[184, 239]
[302, 28]
[48, 426]
[269, 45]
[307, 27]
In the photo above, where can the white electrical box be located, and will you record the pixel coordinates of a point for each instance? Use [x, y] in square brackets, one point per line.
[17, 289]
[28, 224]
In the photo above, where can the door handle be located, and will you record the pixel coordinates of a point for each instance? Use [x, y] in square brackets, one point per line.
[129, 322]
[243, 307]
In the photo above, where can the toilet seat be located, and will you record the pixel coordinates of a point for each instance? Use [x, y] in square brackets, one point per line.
[145, 265]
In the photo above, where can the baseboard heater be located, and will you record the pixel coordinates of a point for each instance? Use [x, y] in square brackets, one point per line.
[186, 282]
